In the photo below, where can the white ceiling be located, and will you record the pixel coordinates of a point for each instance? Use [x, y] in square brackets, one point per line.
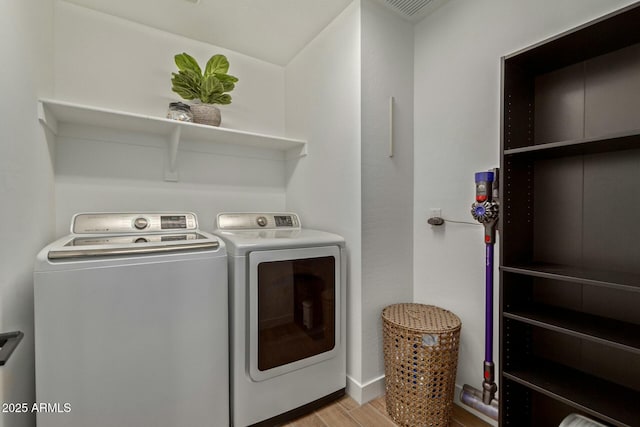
[272, 30]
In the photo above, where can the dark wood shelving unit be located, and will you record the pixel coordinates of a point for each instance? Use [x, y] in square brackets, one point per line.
[585, 393]
[570, 227]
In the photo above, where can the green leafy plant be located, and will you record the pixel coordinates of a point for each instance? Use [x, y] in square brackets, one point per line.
[209, 87]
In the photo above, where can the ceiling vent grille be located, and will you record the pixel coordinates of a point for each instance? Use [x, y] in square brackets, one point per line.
[408, 8]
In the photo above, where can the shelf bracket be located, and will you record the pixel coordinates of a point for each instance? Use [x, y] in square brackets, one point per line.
[8, 343]
[171, 170]
[296, 152]
[47, 119]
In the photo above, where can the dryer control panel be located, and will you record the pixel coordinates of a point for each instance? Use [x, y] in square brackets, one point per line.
[258, 221]
[137, 222]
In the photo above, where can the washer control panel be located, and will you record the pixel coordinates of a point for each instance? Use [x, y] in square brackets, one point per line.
[147, 222]
[258, 221]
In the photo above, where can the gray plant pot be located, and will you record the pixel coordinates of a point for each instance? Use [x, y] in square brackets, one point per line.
[206, 114]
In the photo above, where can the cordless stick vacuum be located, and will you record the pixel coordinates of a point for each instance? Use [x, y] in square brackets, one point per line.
[485, 211]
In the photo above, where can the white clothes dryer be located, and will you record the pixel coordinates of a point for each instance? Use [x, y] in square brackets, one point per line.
[131, 323]
[287, 329]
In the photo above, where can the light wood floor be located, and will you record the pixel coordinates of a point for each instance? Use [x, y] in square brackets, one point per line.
[347, 413]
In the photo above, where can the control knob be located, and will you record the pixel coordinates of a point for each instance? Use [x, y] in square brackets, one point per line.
[140, 223]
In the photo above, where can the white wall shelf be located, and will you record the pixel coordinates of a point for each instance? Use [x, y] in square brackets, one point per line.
[53, 112]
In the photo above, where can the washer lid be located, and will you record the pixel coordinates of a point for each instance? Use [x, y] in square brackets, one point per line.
[132, 244]
[96, 235]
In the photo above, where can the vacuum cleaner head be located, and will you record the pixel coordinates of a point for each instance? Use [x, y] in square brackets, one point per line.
[473, 398]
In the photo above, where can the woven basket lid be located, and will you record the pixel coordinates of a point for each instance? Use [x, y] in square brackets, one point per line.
[422, 318]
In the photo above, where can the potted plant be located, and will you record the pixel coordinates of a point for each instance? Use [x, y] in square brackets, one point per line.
[205, 88]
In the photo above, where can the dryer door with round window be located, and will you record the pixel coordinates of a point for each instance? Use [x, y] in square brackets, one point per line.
[294, 308]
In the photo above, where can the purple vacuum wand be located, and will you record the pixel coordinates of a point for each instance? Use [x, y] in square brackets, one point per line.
[485, 210]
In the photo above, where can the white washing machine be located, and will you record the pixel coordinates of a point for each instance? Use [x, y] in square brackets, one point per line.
[131, 324]
[287, 302]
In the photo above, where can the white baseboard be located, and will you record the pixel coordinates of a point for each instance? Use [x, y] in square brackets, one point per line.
[478, 414]
[362, 393]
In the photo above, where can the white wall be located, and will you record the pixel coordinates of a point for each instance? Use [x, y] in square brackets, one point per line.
[323, 106]
[113, 63]
[457, 116]
[93, 174]
[338, 91]
[387, 182]
[26, 185]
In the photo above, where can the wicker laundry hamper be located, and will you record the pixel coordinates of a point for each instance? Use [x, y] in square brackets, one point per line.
[420, 362]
